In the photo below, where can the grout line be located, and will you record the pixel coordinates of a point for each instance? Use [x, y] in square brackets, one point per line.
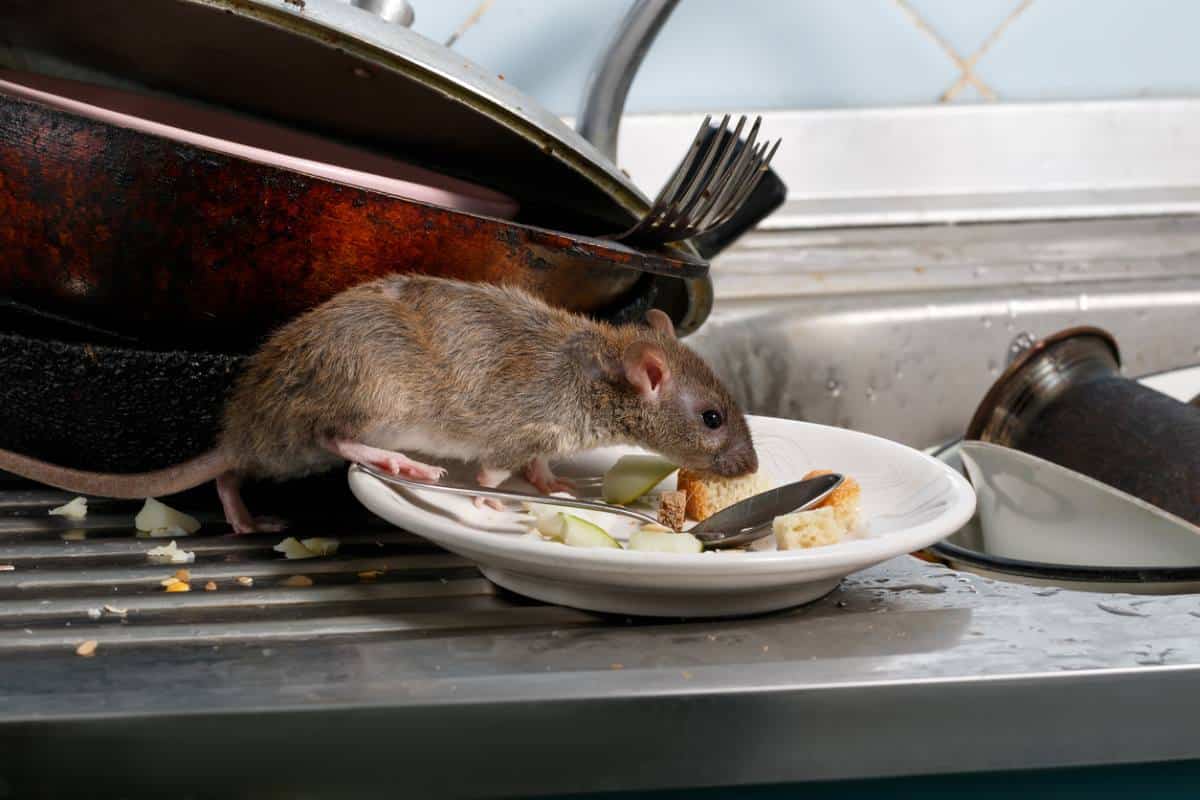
[469, 22]
[965, 66]
[994, 37]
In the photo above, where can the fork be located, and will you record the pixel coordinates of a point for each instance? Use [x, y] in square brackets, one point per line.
[708, 186]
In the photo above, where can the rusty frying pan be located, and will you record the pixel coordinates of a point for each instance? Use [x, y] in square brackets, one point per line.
[188, 240]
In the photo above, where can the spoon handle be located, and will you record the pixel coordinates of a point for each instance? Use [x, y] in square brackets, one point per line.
[504, 494]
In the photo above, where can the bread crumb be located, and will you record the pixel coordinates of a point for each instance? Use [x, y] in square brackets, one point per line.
[672, 508]
[843, 500]
[76, 509]
[211, 586]
[169, 554]
[372, 574]
[244, 580]
[804, 529]
[179, 586]
[708, 494]
[169, 581]
[116, 612]
[183, 574]
[87, 649]
[616, 666]
[298, 581]
[159, 519]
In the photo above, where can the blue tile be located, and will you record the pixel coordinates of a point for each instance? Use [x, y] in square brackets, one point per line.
[544, 48]
[1083, 49]
[820, 53]
[711, 55]
[965, 26]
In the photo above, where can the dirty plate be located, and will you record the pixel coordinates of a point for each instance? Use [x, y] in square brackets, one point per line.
[1092, 568]
[909, 501]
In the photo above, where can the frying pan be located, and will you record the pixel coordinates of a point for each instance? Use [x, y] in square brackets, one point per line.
[185, 239]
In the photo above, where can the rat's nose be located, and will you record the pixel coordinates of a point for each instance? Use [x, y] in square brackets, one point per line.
[737, 462]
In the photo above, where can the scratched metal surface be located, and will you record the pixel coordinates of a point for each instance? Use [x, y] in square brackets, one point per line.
[427, 669]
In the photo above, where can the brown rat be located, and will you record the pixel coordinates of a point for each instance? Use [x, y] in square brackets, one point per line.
[409, 364]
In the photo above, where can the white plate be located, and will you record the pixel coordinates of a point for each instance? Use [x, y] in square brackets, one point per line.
[909, 501]
[1031, 509]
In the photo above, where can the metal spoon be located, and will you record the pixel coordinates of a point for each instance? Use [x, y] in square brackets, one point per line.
[736, 526]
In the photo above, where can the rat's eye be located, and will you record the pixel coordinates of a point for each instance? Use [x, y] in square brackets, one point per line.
[713, 419]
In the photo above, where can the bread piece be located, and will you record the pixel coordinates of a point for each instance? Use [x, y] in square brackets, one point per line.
[803, 529]
[708, 494]
[672, 506]
[843, 499]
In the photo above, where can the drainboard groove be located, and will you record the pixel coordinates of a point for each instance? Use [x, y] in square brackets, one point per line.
[150, 575]
[233, 597]
[125, 548]
[395, 623]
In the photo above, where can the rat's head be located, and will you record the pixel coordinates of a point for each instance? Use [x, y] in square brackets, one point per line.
[676, 406]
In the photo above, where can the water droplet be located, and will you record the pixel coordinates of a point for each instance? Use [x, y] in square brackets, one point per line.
[1083, 302]
[980, 272]
[1120, 611]
[920, 588]
[987, 322]
[835, 388]
[1053, 590]
[993, 367]
[870, 393]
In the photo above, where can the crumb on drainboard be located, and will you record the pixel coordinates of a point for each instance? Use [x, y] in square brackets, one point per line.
[87, 649]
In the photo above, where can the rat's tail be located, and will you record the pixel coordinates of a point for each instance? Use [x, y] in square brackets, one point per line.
[172, 479]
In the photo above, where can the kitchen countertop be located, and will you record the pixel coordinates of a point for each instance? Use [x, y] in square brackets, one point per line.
[908, 668]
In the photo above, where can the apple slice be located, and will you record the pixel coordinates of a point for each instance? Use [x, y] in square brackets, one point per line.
[632, 476]
[581, 533]
[651, 541]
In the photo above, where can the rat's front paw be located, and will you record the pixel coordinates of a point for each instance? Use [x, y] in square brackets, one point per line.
[538, 473]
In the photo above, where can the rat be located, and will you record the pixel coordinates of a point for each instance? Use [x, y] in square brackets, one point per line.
[446, 369]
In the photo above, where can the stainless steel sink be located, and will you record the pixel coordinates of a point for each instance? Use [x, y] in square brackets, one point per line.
[899, 331]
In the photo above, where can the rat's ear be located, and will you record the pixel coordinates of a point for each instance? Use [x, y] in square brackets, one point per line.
[646, 369]
[658, 320]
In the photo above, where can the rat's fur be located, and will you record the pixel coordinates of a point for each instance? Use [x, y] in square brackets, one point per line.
[462, 370]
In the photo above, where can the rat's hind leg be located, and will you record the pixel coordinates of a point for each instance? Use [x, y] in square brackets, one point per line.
[538, 473]
[490, 478]
[236, 514]
[386, 460]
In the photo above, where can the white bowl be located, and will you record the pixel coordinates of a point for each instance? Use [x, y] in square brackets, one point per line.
[1034, 510]
[909, 501]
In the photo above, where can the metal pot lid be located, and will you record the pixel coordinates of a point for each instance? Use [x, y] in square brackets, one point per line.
[340, 71]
